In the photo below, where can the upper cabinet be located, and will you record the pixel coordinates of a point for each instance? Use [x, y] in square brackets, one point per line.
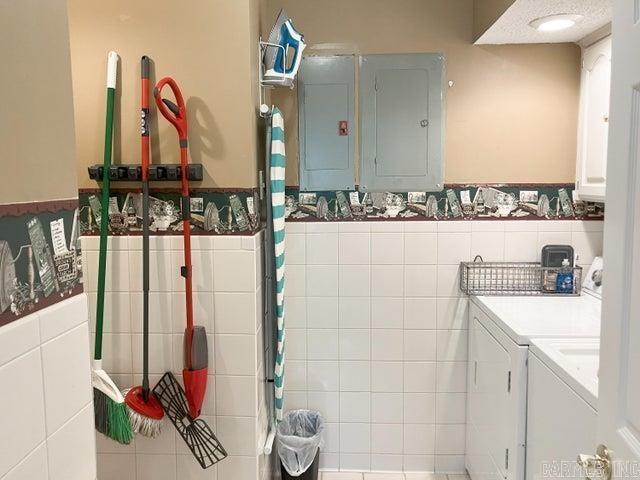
[325, 121]
[593, 125]
[401, 117]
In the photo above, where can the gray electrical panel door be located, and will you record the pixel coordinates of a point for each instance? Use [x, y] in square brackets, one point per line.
[325, 116]
[402, 122]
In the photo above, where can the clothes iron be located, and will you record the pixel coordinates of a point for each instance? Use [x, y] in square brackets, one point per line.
[279, 69]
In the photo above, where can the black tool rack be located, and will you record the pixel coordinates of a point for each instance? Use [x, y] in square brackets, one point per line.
[158, 172]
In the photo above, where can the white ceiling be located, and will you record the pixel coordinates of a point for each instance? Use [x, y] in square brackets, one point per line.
[513, 25]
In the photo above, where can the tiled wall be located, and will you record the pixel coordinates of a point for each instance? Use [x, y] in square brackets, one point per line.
[376, 331]
[46, 409]
[228, 301]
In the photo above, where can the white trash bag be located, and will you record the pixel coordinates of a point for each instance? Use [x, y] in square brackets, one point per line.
[299, 435]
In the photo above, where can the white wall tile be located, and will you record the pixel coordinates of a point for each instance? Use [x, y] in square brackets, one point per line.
[203, 311]
[450, 439]
[448, 281]
[322, 344]
[386, 377]
[296, 376]
[354, 227]
[451, 377]
[161, 311]
[66, 373]
[355, 376]
[420, 377]
[295, 227]
[235, 354]
[420, 313]
[387, 281]
[421, 227]
[70, 313]
[387, 227]
[237, 395]
[386, 438]
[354, 249]
[587, 245]
[387, 312]
[354, 344]
[34, 466]
[488, 226]
[455, 226]
[450, 408]
[234, 271]
[331, 438]
[72, 450]
[21, 409]
[116, 466]
[387, 344]
[327, 403]
[17, 338]
[453, 248]
[452, 345]
[420, 248]
[355, 407]
[296, 247]
[322, 312]
[296, 344]
[161, 271]
[322, 280]
[355, 437]
[419, 408]
[117, 275]
[323, 376]
[161, 358]
[452, 313]
[387, 249]
[354, 312]
[296, 311]
[189, 469]
[521, 246]
[489, 245]
[322, 249]
[234, 312]
[419, 345]
[419, 463]
[237, 434]
[322, 227]
[450, 464]
[419, 439]
[116, 352]
[381, 462]
[387, 408]
[355, 462]
[420, 280]
[354, 280]
[158, 467]
[238, 468]
[295, 281]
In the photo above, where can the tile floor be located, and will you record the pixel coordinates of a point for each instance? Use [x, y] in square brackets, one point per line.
[389, 476]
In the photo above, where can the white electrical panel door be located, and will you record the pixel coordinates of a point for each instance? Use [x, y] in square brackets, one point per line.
[593, 133]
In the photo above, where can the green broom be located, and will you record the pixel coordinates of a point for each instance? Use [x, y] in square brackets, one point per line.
[110, 411]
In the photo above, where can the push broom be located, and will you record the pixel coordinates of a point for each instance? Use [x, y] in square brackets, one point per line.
[109, 409]
[183, 407]
[145, 412]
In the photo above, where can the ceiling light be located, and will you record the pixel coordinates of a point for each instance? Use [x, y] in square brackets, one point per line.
[553, 23]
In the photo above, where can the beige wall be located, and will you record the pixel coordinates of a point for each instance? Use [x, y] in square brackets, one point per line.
[36, 124]
[511, 115]
[207, 46]
[486, 12]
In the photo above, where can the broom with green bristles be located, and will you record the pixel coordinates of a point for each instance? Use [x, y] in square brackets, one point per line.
[110, 411]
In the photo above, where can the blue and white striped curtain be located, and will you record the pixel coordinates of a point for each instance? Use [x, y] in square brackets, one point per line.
[277, 170]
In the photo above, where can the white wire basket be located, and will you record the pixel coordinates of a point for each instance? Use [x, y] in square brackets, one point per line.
[513, 278]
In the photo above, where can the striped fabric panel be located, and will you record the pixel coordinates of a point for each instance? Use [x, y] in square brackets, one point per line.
[278, 164]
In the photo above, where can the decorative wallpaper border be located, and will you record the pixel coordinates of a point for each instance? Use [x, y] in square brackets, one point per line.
[214, 211]
[454, 202]
[40, 257]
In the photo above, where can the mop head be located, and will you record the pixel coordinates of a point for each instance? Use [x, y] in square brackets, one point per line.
[197, 435]
[109, 409]
[145, 415]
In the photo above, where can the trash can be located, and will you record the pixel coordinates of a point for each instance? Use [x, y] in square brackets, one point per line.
[299, 438]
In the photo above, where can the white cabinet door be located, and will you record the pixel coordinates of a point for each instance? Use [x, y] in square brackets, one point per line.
[559, 424]
[593, 133]
[496, 402]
